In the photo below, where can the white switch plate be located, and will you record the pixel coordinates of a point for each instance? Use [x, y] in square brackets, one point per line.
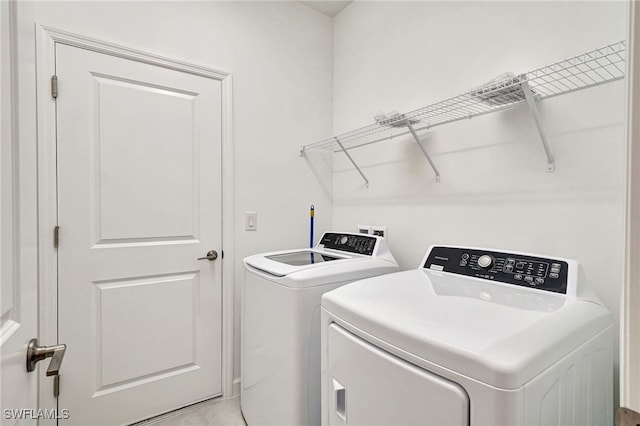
[250, 221]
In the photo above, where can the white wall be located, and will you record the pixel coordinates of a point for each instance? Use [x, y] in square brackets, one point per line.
[494, 190]
[279, 54]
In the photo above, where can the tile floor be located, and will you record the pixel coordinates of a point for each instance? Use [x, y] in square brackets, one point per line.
[214, 412]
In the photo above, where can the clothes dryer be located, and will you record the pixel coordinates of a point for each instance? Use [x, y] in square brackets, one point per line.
[472, 337]
[280, 343]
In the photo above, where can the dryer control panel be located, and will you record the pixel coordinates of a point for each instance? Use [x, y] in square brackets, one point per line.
[352, 243]
[510, 268]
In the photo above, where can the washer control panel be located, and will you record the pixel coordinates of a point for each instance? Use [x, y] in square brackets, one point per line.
[352, 243]
[510, 268]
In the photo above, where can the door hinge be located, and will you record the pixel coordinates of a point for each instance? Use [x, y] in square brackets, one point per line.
[56, 386]
[56, 236]
[54, 86]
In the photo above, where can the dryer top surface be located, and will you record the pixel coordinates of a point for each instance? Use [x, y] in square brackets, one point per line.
[499, 334]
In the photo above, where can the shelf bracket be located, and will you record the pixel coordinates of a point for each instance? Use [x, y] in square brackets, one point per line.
[551, 165]
[424, 151]
[366, 181]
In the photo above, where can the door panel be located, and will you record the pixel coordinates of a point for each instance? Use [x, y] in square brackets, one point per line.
[18, 294]
[368, 386]
[142, 305]
[161, 205]
[139, 200]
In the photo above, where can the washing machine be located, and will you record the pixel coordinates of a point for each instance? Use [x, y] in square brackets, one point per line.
[471, 337]
[280, 343]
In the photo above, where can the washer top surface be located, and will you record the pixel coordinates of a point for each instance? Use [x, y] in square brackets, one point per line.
[497, 333]
[302, 258]
[338, 257]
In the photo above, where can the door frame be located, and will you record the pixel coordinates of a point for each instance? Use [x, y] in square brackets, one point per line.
[630, 299]
[46, 37]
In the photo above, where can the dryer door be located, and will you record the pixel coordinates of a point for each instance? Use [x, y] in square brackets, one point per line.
[368, 386]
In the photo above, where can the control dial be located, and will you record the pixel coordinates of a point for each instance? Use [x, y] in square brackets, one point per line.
[485, 261]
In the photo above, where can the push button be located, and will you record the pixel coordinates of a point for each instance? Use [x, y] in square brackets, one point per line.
[517, 277]
[528, 279]
[539, 280]
[553, 275]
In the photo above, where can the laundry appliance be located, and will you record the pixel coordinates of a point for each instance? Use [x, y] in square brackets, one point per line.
[280, 343]
[472, 337]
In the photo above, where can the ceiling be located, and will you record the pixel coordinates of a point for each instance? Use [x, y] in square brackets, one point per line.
[328, 7]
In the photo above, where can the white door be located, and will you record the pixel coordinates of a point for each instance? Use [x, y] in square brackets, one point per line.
[18, 297]
[139, 200]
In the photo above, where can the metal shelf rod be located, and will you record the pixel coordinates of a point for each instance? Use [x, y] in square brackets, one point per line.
[366, 181]
[424, 151]
[551, 165]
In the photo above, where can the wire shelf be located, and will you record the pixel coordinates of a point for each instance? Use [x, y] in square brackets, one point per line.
[589, 69]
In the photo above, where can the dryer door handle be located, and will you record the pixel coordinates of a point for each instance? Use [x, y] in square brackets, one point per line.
[340, 394]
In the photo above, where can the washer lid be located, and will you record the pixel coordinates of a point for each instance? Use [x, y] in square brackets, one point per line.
[338, 257]
[313, 267]
[285, 262]
[302, 258]
[498, 334]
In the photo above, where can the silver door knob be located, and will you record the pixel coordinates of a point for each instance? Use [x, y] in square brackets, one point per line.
[211, 255]
[37, 353]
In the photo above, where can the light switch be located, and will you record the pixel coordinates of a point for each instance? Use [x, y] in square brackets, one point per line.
[250, 221]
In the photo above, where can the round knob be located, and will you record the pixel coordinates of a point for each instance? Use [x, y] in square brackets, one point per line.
[344, 239]
[485, 261]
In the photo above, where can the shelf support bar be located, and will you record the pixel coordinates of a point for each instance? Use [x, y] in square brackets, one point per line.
[366, 181]
[551, 165]
[424, 151]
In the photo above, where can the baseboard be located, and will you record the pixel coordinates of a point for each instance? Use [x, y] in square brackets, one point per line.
[236, 386]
